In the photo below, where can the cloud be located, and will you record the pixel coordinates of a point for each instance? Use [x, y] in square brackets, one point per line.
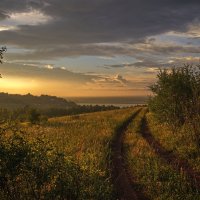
[32, 17]
[148, 48]
[78, 23]
[41, 30]
[123, 65]
[120, 78]
[47, 72]
[41, 72]
[3, 15]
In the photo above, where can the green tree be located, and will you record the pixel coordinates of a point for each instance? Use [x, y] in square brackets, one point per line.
[176, 98]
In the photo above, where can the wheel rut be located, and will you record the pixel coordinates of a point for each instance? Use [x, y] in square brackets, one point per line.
[122, 181]
[171, 158]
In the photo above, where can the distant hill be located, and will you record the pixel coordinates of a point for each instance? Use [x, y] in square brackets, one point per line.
[50, 106]
[13, 101]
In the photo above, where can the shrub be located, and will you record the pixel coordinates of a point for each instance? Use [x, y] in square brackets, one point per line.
[35, 170]
[176, 99]
[34, 116]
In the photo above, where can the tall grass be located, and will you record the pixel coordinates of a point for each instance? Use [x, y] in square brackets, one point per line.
[151, 173]
[66, 158]
[182, 142]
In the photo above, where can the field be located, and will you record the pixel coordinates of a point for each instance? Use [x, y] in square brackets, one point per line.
[160, 172]
[100, 100]
[83, 141]
[120, 154]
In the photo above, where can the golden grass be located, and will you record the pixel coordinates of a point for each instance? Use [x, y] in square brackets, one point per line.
[151, 173]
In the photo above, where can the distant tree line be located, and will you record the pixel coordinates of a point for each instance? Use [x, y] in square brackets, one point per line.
[34, 115]
[79, 109]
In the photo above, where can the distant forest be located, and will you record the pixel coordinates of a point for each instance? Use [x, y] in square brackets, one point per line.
[38, 108]
[13, 101]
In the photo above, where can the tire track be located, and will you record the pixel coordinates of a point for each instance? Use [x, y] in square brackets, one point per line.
[171, 158]
[121, 179]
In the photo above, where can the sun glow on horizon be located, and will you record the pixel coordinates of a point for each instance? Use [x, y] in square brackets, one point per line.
[17, 85]
[59, 88]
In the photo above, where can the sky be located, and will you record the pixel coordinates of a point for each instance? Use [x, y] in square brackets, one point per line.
[94, 47]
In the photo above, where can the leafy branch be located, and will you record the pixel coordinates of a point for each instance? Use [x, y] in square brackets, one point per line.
[2, 51]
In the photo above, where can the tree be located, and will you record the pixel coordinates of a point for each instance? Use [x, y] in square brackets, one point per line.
[176, 98]
[2, 50]
[176, 94]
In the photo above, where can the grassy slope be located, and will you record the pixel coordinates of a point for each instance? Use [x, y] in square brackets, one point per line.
[86, 138]
[154, 176]
[181, 142]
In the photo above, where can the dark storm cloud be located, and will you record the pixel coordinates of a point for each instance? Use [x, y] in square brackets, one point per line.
[3, 15]
[105, 50]
[96, 21]
[171, 49]
[120, 65]
[13, 6]
[153, 65]
[74, 51]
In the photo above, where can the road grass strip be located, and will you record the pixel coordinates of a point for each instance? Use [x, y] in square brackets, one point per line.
[120, 178]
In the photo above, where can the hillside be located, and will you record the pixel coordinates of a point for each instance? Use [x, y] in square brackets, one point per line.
[13, 101]
[119, 154]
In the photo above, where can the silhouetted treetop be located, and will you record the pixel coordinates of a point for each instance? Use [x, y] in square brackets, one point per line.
[2, 50]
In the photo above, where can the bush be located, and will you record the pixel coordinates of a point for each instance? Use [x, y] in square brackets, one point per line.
[34, 116]
[176, 99]
[35, 170]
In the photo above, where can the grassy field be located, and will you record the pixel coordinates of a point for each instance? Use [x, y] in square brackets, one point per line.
[83, 140]
[70, 158]
[182, 142]
[152, 175]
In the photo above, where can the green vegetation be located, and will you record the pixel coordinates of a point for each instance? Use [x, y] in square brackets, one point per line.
[66, 158]
[177, 95]
[182, 143]
[153, 176]
[162, 146]
[20, 107]
[34, 170]
[2, 51]
[70, 157]
[56, 112]
[177, 98]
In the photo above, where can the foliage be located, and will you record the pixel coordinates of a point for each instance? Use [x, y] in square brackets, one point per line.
[181, 144]
[2, 50]
[79, 109]
[35, 170]
[42, 102]
[66, 158]
[152, 175]
[34, 116]
[176, 97]
[20, 106]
